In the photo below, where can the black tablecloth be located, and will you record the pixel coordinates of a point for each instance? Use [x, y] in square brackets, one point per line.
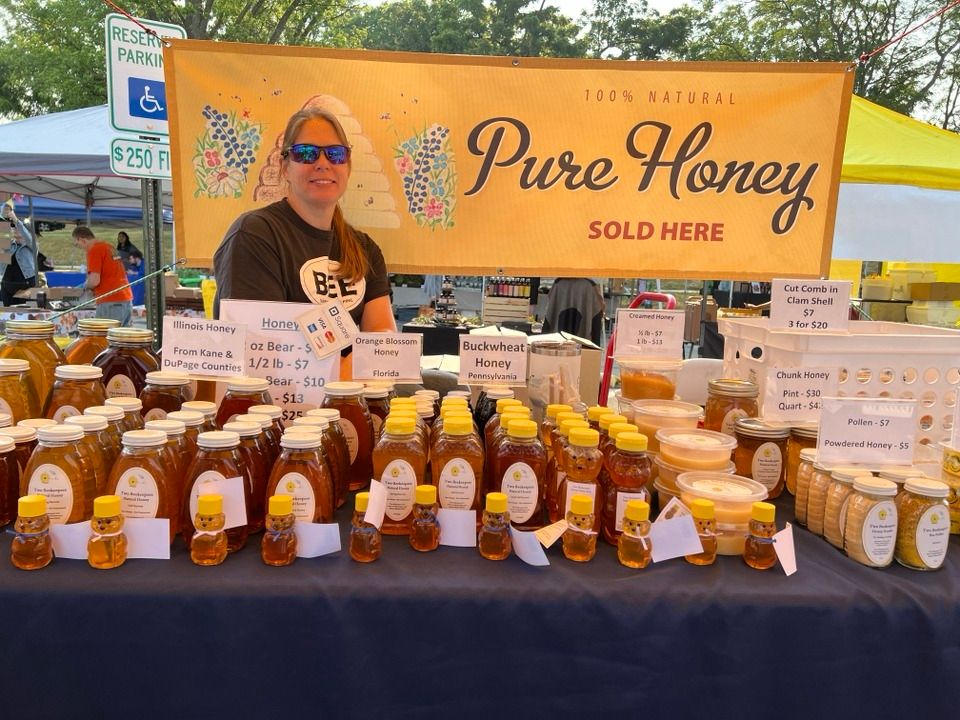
[449, 632]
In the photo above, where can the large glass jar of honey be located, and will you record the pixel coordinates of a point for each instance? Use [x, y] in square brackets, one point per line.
[164, 392]
[131, 406]
[378, 403]
[9, 480]
[399, 462]
[334, 449]
[193, 423]
[728, 400]
[115, 424]
[126, 361]
[91, 342]
[97, 443]
[628, 474]
[347, 398]
[520, 464]
[218, 459]
[457, 461]
[253, 449]
[802, 437]
[180, 454]
[75, 388]
[205, 408]
[923, 530]
[270, 451]
[761, 453]
[18, 397]
[145, 480]
[62, 472]
[242, 393]
[25, 439]
[272, 432]
[870, 531]
[302, 473]
[32, 340]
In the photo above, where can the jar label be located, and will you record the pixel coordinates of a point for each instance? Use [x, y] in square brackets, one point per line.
[5, 408]
[204, 478]
[457, 486]
[65, 411]
[730, 419]
[767, 465]
[578, 488]
[353, 438]
[622, 500]
[155, 414]
[932, 536]
[120, 386]
[139, 496]
[297, 486]
[377, 424]
[400, 479]
[53, 483]
[879, 534]
[520, 485]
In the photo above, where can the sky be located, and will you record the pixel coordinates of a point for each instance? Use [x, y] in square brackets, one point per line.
[573, 8]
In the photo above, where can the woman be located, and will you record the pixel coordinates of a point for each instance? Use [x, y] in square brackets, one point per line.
[21, 272]
[129, 253]
[301, 249]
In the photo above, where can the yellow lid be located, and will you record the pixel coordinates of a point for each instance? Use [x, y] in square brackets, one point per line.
[426, 495]
[637, 510]
[450, 400]
[609, 419]
[632, 441]
[454, 409]
[702, 509]
[404, 412]
[210, 504]
[522, 429]
[496, 502]
[106, 506]
[504, 403]
[457, 425]
[763, 512]
[617, 428]
[402, 401]
[567, 425]
[584, 437]
[517, 410]
[554, 408]
[30, 506]
[360, 502]
[280, 505]
[400, 425]
[597, 411]
[581, 504]
[568, 415]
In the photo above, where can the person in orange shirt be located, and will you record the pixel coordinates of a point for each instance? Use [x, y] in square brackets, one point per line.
[105, 273]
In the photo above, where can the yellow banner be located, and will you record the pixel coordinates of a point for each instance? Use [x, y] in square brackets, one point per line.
[474, 165]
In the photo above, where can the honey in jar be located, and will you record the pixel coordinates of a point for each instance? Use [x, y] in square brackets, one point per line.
[870, 532]
[728, 400]
[580, 537]
[628, 469]
[209, 543]
[451, 405]
[61, 471]
[487, 403]
[107, 546]
[254, 453]
[332, 452]
[75, 388]
[25, 440]
[399, 462]
[705, 518]
[165, 392]
[835, 504]
[302, 473]
[126, 361]
[9, 480]
[32, 547]
[514, 412]
[556, 473]
[493, 539]
[18, 397]
[336, 450]
[595, 412]
[357, 427]
[634, 549]
[242, 393]
[179, 454]
[923, 530]
[758, 550]
[761, 453]
[207, 409]
[144, 480]
[804, 476]
[433, 398]
[96, 442]
[520, 464]
[115, 427]
[32, 340]
[193, 424]
[802, 437]
[457, 461]
[91, 342]
[582, 461]
[131, 406]
[365, 541]
[218, 459]
[273, 431]
[648, 379]
[378, 403]
[279, 544]
[550, 422]
[603, 428]
[424, 526]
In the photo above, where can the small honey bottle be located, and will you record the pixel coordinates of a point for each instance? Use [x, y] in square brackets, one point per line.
[633, 546]
[209, 543]
[704, 517]
[425, 528]
[493, 540]
[279, 544]
[32, 548]
[107, 546]
[758, 550]
[580, 539]
[365, 539]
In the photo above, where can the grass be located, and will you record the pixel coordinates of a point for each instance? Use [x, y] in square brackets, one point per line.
[59, 248]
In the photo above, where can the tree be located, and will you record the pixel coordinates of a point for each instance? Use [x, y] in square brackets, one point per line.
[631, 31]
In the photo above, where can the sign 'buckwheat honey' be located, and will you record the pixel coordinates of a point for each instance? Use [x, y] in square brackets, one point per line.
[531, 166]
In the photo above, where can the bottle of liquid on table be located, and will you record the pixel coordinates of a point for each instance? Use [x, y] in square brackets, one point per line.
[634, 549]
[209, 543]
[758, 550]
[279, 544]
[425, 528]
[365, 539]
[107, 546]
[580, 537]
[493, 540]
[32, 548]
[704, 517]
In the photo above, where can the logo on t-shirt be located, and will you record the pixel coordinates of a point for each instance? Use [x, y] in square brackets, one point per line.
[320, 282]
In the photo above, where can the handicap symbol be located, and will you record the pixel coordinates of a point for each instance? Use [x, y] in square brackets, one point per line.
[147, 98]
[148, 103]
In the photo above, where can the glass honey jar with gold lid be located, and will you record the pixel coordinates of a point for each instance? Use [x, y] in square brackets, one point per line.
[728, 400]
[32, 340]
[91, 342]
[923, 525]
[18, 397]
[75, 388]
[61, 470]
[126, 361]
[761, 453]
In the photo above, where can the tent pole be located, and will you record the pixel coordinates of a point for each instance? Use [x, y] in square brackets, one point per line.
[153, 256]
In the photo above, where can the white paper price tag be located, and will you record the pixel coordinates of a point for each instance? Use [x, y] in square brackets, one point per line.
[867, 430]
[387, 356]
[204, 347]
[794, 394]
[493, 359]
[810, 305]
[649, 334]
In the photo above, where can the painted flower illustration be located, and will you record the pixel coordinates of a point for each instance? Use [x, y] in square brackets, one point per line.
[425, 163]
[404, 164]
[212, 157]
[225, 182]
[224, 152]
[434, 208]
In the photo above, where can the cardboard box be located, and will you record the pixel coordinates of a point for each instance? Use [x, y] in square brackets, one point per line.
[935, 291]
[691, 317]
[188, 293]
[170, 283]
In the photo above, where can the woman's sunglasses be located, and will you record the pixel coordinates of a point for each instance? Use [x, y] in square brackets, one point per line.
[307, 154]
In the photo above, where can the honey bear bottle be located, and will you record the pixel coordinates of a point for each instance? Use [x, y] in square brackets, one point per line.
[32, 548]
[107, 546]
[209, 543]
[279, 544]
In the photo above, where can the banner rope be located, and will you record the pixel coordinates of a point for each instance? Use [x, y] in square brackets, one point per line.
[143, 27]
[867, 55]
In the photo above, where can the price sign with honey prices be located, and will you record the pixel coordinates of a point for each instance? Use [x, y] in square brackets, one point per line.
[810, 305]
[794, 394]
[649, 334]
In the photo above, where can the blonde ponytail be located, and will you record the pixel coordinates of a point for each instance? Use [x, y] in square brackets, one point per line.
[353, 261]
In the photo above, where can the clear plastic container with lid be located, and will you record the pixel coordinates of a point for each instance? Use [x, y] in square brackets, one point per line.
[115, 422]
[205, 408]
[399, 462]
[457, 461]
[18, 397]
[728, 400]
[652, 415]
[253, 450]
[165, 392]
[126, 361]
[25, 439]
[582, 462]
[242, 393]
[923, 531]
[835, 504]
[804, 475]
[9, 480]
[628, 471]
[556, 472]
[696, 449]
[519, 467]
[131, 406]
[870, 533]
[761, 453]
[595, 412]
[732, 496]
[75, 388]
[61, 470]
[357, 427]
[603, 428]
[802, 437]
[96, 440]
[144, 478]
[32, 340]
[648, 379]
[91, 342]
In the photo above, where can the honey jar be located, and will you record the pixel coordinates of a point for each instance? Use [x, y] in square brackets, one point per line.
[32, 340]
[91, 342]
[115, 423]
[126, 361]
[357, 427]
[242, 393]
[131, 406]
[193, 423]
[144, 478]
[75, 388]
[96, 441]
[835, 505]
[870, 533]
[62, 472]
[378, 403]
[801, 438]
[9, 480]
[164, 392]
[761, 453]
[804, 476]
[253, 450]
[728, 400]
[205, 408]
[923, 530]
[18, 397]
[817, 497]
[25, 438]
